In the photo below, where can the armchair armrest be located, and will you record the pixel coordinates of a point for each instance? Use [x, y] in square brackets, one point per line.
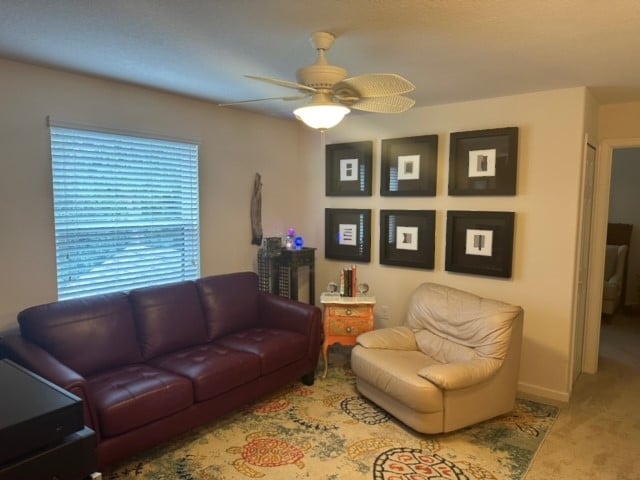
[390, 338]
[619, 272]
[453, 376]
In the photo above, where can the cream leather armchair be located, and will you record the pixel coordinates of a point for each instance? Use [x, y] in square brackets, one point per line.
[614, 271]
[453, 363]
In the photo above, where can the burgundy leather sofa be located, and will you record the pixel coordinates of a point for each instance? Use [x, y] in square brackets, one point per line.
[159, 361]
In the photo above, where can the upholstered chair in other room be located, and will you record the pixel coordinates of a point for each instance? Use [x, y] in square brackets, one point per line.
[614, 272]
[454, 362]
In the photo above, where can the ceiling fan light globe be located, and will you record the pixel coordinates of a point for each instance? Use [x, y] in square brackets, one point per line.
[321, 117]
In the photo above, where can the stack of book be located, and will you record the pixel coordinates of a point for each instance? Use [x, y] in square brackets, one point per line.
[348, 281]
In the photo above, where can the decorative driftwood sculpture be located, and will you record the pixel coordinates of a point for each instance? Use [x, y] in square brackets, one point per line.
[256, 211]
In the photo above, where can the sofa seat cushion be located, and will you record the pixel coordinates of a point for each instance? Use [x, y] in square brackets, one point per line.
[213, 369]
[276, 348]
[395, 372]
[135, 395]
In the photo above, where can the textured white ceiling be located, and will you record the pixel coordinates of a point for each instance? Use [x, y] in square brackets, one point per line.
[452, 50]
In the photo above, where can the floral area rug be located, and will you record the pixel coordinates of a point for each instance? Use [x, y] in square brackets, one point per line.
[329, 432]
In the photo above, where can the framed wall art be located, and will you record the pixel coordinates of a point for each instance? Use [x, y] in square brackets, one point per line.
[407, 238]
[409, 166]
[347, 234]
[483, 162]
[480, 243]
[348, 169]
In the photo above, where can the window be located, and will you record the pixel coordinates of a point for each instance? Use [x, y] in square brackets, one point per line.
[126, 211]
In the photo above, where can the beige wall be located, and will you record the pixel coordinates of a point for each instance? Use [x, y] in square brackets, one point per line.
[234, 145]
[546, 205]
[619, 120]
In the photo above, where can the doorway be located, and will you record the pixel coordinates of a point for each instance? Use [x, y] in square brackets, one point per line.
[598, 242]
[624, 208]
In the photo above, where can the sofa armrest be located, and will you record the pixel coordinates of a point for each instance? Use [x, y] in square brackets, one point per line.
[41, 362]
[390, 338]
[282, 313]
[285, 314]
[453, 376]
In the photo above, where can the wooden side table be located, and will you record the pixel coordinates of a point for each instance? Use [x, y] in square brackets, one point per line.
[344, 319]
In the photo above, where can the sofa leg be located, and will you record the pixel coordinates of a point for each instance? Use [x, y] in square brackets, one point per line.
[309, 378]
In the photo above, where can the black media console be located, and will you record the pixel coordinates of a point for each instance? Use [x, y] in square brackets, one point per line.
[42, 432]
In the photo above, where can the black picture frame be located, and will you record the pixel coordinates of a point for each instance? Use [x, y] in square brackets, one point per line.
[483, 162]
[469, 233]
[409, 166]
[407, 238]
[348, 169]
[347, 234]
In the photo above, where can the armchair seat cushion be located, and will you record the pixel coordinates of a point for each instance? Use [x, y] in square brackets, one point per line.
[214, 369]
[394, 373]
[135, 395]
[452, 376]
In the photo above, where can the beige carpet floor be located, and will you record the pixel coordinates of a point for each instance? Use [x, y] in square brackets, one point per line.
[597, 434]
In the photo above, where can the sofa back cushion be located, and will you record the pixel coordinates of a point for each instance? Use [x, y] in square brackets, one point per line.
[230, 302]
[88, 334]
[460, 318]
[168, 318]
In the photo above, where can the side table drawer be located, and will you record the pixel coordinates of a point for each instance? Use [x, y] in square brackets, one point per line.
[354, 326]
[361, 311]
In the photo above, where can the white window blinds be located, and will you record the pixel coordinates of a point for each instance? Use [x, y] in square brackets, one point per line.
[126, 211]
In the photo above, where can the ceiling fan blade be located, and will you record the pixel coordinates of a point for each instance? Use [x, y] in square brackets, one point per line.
[391, 104]
[376, 85]
[286, 99]
[284, 83]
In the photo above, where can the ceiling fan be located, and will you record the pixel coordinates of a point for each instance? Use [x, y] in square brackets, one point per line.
[332, 94]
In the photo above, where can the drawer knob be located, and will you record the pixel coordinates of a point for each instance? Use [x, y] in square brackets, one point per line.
[349, 329]
[349, 312]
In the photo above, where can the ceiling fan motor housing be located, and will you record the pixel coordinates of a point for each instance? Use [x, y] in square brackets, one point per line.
[321, 76]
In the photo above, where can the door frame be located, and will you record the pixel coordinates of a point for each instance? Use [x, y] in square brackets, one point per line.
[583, 273]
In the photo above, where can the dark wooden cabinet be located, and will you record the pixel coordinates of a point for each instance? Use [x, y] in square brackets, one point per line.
[279, 271]
[289, 263]
[74, 458]
[42, 432]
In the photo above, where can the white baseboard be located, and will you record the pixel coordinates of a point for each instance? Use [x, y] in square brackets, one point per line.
[537, 392]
